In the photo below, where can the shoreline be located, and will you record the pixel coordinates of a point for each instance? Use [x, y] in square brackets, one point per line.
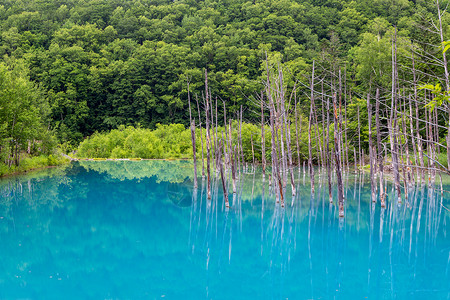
[6, 175]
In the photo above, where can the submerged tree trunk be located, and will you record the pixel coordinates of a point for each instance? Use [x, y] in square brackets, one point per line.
[224, 185]
[337, 159]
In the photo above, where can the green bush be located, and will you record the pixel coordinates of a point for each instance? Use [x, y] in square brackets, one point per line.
[166, 141]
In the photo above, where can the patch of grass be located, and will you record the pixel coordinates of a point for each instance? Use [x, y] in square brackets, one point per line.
[32, 163]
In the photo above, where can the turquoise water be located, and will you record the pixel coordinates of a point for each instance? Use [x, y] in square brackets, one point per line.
[135, 230]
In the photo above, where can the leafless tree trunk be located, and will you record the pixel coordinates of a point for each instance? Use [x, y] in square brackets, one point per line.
[371, 151]
[263, 142]
[311, 169]
[240, 140]
[253, 149]
[380, 148]
[224, 185]
[359, 139]
[330, 191]
[337, 158]
[208, 139]
[201, 137]
[194, 149]
[297, 133]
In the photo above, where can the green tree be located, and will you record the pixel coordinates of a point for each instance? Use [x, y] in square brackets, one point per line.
[23, 112]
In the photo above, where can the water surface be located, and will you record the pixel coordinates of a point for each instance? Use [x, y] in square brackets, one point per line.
[137, 230]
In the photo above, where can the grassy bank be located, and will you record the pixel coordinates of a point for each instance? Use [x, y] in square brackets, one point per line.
[33, 163]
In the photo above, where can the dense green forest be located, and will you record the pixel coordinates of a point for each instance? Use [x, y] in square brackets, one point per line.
[71, 68]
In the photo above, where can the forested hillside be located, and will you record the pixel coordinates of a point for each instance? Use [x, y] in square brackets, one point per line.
[94, 65]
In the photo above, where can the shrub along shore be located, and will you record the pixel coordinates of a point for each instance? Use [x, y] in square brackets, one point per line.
[29, 163]
[174, 142]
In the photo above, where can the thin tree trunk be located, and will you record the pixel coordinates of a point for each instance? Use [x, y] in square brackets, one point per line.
[411, 126]
[318, 143]
[216, 137]
[380, 148]
[211, 124]
[194, 149]
[346, 120]
[224, 185]
[288, 144]
[240, 141]
[274, 153]
[263, 142]
[253, 149]
[325, 155]
[232, 158]
[201, 137]
[393, 120]
[233, 168]
[337, 159]
[311, 169]
[226, 145]
[208, 139]
[297, 132]
[359, 139]
[371, 151]
[419, 145]
[341, 146]
[282, 112]
[330, 192]
[408, 163]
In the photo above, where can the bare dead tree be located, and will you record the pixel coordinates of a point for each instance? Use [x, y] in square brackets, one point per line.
[263, 142]
[371, 151]
[201, 137]
[337, 158]
[380, 148]
[208, 139]
[194, 149]
[310, 164]
[223, 178]
[297, 132]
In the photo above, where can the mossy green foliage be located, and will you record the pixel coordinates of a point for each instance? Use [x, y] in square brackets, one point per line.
[166, 141]
[32, 163]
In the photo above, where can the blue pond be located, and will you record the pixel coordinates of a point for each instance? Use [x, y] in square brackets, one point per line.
[136, 230]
